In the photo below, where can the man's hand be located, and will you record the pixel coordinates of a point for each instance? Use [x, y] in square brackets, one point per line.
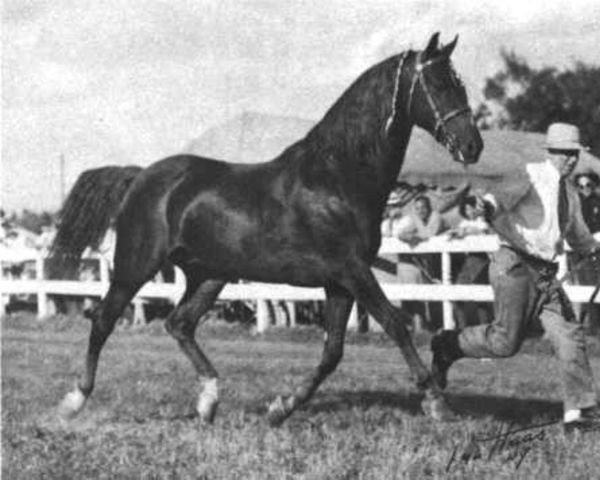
[481, 207]
[413, 240]
[456, 233]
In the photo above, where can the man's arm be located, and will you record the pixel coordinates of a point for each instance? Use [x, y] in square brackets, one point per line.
[407, 231]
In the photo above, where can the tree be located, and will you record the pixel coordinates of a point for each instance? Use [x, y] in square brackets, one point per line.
[520, 97]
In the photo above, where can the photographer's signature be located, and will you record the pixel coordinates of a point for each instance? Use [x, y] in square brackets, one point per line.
[510, 441]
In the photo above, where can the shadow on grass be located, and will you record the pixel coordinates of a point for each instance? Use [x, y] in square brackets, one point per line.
[504, 408]
[466, 404]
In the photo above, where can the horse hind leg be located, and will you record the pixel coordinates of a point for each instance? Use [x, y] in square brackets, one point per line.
[103, 320]
[337, 311]
[199, 297]
[136, 263]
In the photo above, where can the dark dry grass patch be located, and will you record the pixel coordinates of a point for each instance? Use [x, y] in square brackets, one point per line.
[364, 422]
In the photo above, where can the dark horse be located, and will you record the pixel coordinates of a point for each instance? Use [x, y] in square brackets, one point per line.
[310, 217]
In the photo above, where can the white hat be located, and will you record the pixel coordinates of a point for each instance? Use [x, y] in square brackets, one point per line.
[395, 199]
[563, 136]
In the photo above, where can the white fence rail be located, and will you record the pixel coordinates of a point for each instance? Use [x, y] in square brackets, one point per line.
[445, 291]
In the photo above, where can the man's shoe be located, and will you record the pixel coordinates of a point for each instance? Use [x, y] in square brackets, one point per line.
[445, 349]
[588, 421]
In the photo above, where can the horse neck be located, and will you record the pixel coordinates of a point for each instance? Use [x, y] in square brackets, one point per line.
[353, 133]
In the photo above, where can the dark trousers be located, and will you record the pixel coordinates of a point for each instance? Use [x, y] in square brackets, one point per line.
[524, 289]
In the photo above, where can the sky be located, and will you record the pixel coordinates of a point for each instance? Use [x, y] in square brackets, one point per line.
[87, 83]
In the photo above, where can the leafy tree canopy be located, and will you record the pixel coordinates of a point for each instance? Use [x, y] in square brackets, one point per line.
[519, 97]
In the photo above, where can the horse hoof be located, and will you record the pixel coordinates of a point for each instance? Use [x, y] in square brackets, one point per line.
[277, 412]
[71, 404]
[438, 409]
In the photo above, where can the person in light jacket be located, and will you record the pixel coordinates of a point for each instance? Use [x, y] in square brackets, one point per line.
[532, 218]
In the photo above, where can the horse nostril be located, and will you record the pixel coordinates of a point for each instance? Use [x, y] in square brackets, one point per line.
[472, 149]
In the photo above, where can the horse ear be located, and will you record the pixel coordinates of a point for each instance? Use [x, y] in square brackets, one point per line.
[448, 49]
[432, 45]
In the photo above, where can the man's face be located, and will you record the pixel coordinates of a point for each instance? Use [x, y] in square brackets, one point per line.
[564, 160]
[585, 186]
[470, 213]
[422, 209]
[395, 212]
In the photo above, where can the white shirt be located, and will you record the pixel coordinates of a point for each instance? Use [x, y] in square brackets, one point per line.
[530, 222]
[541, 233]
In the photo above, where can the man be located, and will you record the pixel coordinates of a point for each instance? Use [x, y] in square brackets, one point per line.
[418, 226]
[422, 224]
[586, 274]
[587, 183]
[471, 267]
[532, 221]
[392, 215]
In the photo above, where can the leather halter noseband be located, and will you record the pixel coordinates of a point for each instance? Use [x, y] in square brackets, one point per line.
[419, 77]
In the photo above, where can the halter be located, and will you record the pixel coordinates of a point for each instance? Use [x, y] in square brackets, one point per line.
[419, 77]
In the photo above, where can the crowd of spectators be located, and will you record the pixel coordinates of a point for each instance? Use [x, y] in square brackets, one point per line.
[419, 221]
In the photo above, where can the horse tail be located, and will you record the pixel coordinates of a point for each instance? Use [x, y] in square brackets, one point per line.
[87, 213]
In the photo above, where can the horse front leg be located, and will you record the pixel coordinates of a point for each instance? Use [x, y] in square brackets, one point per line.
[337, 311]
[364, 286]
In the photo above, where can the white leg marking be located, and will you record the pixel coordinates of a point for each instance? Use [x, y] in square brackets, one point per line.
[72, 403]
[208, 399]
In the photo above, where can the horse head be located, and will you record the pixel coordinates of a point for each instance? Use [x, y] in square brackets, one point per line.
[432, 95]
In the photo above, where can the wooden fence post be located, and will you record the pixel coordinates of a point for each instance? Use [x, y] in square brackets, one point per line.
[263, 319]
[104, 270]
[449, 323]
[42, 297]
[291, 307]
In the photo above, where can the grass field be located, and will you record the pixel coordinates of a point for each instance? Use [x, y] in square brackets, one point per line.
[364, 422]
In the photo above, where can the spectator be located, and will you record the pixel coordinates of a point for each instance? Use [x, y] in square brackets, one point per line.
[587, 184]
[420, 225]
[472, 223]
[392, 216]
[45, 238]
[586, 274]
[472, 267]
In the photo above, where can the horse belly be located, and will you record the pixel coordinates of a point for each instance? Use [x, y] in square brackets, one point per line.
[244, 252]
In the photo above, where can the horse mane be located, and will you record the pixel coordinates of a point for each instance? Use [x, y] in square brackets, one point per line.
[352, 127]
[88, 211]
